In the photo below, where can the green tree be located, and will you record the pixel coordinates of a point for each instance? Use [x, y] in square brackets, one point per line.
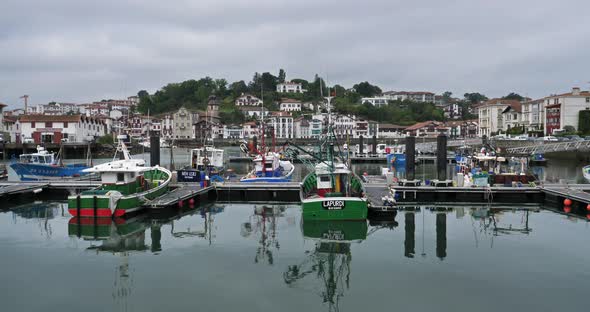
[282, 76]
[584, 121]
[513, 96]
[237, 88]
[365, 89]
[475, 97]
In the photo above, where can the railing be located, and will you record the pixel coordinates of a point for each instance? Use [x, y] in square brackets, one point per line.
[544, 147]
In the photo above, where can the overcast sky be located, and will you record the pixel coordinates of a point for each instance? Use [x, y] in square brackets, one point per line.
[78, 51]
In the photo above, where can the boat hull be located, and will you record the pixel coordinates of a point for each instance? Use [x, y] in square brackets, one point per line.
[335, 208]
[37, 172]
[110, 202]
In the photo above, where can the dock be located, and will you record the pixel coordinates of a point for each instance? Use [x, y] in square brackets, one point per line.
[181, 193]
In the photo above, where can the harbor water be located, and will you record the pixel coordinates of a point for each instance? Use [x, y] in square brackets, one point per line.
[264, 258]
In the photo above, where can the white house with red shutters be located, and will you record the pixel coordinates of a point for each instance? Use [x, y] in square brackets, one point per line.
[52, 129]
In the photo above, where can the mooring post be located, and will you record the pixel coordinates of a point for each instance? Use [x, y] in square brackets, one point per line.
[361, 145]
[156, 235]
[441, 157]
[441, 235]
[154, 150]
[410, 157]
[374, 145]
[410, 227]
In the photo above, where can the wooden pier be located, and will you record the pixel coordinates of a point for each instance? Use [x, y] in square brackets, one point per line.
[181, 193]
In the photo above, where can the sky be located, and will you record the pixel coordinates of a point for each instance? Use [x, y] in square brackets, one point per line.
[82, 51]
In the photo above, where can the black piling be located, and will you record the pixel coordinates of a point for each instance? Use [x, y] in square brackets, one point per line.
[410, 157]
[374, 151]
[156, 238]
[441, 157]
[154, 150]
[254, 144]
[441, 235]
[409, 242]
[361, 139]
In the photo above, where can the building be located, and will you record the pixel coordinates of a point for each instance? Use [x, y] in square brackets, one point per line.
[365, 128]
[250, 130]
[533, 115]
[54, 109]
[452, 110]
[568, 105]
[167, 127]
[2, 106]
[553, 118]
[248, 100]
[301, 128]
[213, 108]
[253, 112]
[427, 129]
[52, 129]
[462, 129]
[290, 105]
[282, 123]
[183, 121]
[490, 115]
[233, 132]
[10, 128]
[416, 96]
[315, 128]
[97, 108]
[205, 129]
[290, 87]
[512, 117]
[391, 131]
[376, 101]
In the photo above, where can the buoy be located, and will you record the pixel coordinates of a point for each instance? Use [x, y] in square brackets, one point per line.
[365, 174]
[180, 203]
[567, 209]
[191, 201]
[567, 202]
[588, 216]
[588, 207]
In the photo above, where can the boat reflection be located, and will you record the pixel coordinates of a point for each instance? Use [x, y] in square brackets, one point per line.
[329, 262]
[262, 225]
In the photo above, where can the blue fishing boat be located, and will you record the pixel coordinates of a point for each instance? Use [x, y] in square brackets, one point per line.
[270, 168]
[43, 165]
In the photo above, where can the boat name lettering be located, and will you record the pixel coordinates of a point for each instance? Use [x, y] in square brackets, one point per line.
[188, 173]
[333, 204]
[333, 235]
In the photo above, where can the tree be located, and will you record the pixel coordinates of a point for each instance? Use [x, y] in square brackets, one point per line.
[514, 96]
[584, 121]
[282, 76]
[475, 97]
[237, 88]
[447, 96]
[569, 129]
[366, 89]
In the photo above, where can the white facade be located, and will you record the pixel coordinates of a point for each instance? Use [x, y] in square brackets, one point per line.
[571, 105]
[511, 118]
[233, 132]
[290, 87]
[183, 123]
[57, 109]
[75, 128]
[315, 128]
[249, 130]
[375, 101]
[254, 112]
[167, 127]
[533, 115]
[490, 116]
[248, 100]
[289, 105]
[282, 122]
[301, 128]
[416, 96]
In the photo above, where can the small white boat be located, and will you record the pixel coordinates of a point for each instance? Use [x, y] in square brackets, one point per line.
[270, 168]
[586, 172]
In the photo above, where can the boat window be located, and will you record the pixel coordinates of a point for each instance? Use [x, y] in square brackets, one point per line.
[48, 159]
[34, 159]
[120, 177]
[325, 178]
[268, 165]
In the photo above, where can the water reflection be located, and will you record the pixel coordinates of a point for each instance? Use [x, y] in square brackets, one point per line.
[329, 262]
[262, 225]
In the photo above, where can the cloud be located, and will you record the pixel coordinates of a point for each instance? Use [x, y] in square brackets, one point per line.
[83, 51]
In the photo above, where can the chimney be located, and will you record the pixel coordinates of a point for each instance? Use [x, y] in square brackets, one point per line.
[575, 91]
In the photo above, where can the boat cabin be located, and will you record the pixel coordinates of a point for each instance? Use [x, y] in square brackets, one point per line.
[214, 156]
[41, 157]
[331, 184]
[271, 166]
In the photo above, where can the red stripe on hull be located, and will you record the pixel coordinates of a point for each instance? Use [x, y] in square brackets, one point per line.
[89, 212]
[119, 212]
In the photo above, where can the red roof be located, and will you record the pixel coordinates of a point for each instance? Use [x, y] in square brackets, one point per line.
[58, 118]
[422, 125]
[284, 100]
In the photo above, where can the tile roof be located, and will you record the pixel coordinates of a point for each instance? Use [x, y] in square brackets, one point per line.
[422, 125]
[58, 118]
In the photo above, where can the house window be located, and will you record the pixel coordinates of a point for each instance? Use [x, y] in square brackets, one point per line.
[120, 177]
[588, 100]
[33, 124]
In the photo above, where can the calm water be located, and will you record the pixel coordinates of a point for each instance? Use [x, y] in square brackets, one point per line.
[263, 258]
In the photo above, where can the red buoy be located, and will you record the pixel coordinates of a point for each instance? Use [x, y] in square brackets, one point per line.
[567, 209]
[588, 216]
[567, 202]
[588, 207]
[180, 203]
[191, 201]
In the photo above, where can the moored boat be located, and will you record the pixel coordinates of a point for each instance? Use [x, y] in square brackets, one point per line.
[126, 185]
[44, 165]
[208, 159]
[269, 168]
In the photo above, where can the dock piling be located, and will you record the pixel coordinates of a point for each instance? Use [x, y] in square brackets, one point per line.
[374, 147]
[441, 157]
[410, 158]
[361, 139]
[154, 150]
[441, 235]
[410, 228]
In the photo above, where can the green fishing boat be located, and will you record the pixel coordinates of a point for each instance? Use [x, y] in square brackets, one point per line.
[126, 185]
[331, 191]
